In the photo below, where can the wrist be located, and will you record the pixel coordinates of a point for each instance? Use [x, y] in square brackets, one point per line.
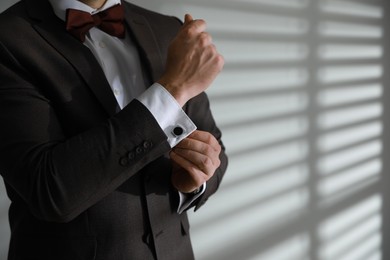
[174, 90]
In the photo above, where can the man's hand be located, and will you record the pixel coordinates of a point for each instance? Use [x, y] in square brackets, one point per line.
[195, 160]
[193, 62]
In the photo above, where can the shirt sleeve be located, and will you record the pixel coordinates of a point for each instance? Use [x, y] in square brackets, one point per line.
[169, 115]
[187, 199]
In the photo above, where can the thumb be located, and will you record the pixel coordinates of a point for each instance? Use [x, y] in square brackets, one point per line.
[188, 18]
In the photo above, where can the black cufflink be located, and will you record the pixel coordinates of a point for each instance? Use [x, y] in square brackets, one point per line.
[177, 131]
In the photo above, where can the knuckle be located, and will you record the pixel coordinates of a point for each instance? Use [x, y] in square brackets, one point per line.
[199, 22]
[207, 150]
[213, 50]
[210, 169]
[218, 163]
[189, 32]
[218, 148]
[205, 36]
[203, 42]
[204, 179]
[220, 61]
[207, 162]
[208, 138]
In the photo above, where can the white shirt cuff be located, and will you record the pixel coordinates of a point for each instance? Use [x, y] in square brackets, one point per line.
[186, 199]
[169, 115]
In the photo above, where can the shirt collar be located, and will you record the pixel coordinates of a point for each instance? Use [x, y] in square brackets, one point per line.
[60, 7]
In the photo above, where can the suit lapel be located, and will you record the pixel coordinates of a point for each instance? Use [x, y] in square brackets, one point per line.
[53, 30]
[146, 40]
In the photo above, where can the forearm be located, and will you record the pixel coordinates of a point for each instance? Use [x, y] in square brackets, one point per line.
[60, 176]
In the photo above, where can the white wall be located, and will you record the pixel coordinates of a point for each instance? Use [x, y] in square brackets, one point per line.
[301, 105]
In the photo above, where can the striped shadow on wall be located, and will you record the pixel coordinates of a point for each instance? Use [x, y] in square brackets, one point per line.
[301, 106]
[300, 103]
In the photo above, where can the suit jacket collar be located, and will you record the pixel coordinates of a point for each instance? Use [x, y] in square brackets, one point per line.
[52, 29]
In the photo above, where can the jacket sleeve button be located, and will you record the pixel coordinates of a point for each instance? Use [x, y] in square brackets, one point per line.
[147, 144]
[124, 161]
[131, 156]
[139, 150]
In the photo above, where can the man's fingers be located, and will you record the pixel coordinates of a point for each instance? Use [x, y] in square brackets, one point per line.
[206, 138]
[200, 148]
[196, 174]
[193, 27]
[206, 40]
[207, 164]
[198, 155]
[188, 18]
[194, 145]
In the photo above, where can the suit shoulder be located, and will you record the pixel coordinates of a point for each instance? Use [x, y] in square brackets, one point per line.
[13, 20]
[157, 20]
[13, 28]
[18, 9]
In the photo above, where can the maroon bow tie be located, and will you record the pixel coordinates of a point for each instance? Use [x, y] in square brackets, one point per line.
[111, 21]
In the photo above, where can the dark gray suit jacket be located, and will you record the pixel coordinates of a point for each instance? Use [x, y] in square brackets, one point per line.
[87, 181]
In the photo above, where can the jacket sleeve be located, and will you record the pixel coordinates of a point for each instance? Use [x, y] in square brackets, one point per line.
[199, 111]
[60, 176]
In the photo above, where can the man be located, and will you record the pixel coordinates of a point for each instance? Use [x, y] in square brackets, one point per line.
[106, 136]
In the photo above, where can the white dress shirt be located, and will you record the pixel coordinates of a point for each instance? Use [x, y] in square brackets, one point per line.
[120, 61]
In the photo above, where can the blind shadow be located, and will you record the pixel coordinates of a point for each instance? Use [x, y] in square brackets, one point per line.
[301, 106]
[300, 103]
